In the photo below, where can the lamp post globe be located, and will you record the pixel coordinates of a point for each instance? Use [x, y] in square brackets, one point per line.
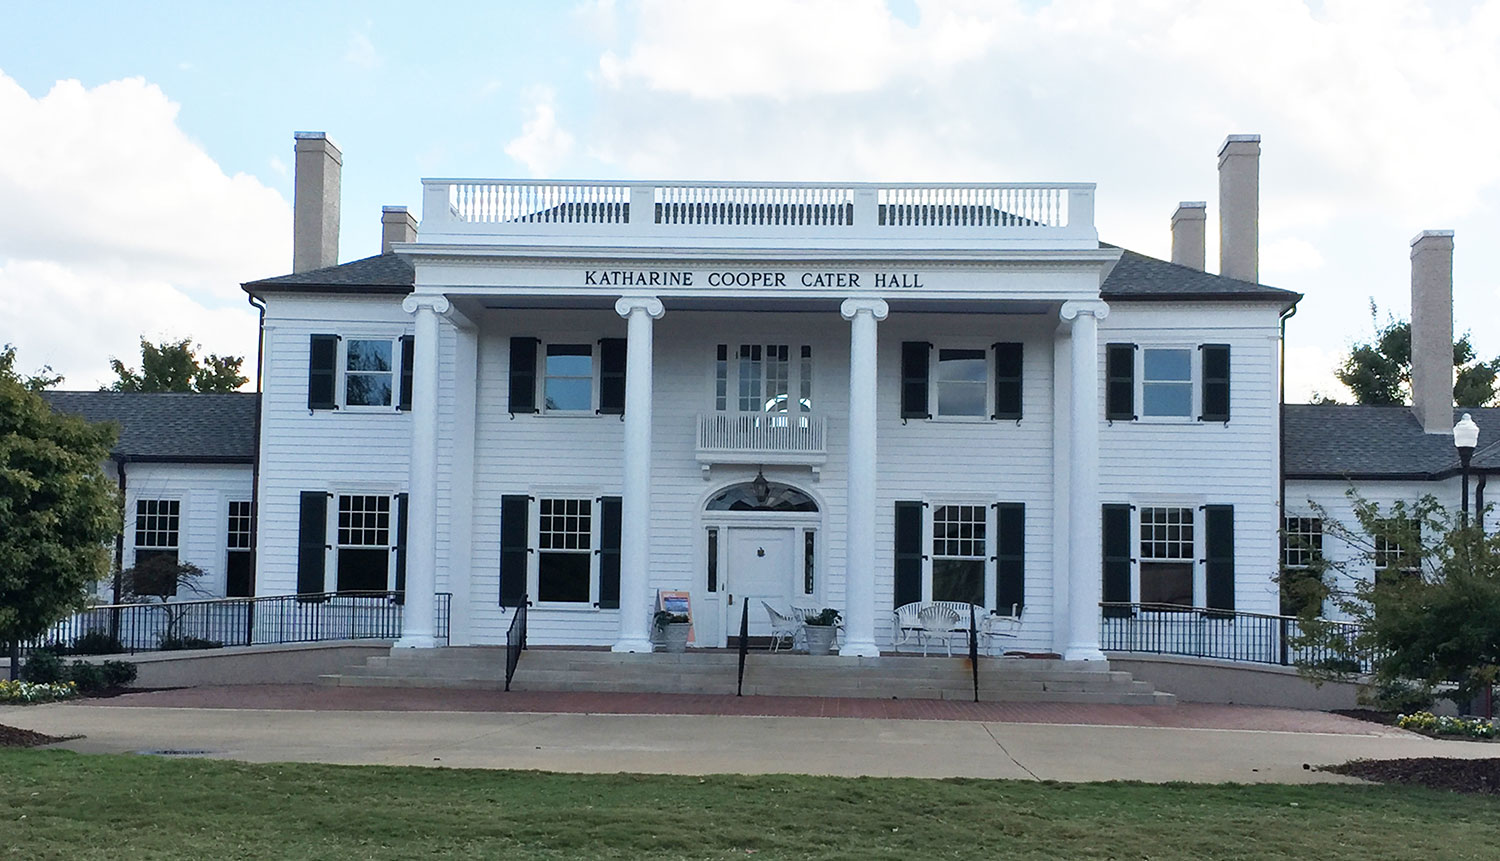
[1465, 439]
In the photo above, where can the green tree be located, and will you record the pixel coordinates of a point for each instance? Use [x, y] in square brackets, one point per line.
[58, 511]
[1430, 617]
[173, 366]
[1379, 371]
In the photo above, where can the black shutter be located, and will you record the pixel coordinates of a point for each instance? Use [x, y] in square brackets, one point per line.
[609, 553]
[408, 359]
[401, 503]
[515, 529]
[1010, 557]
[312, 542]
[322, 372]
[523, 375]
[1218, 569]
[908, 580]
[1117, 559]
[1215, 383]
[612, 376]
[1007, 381]
[914, 358]
[1119, 382]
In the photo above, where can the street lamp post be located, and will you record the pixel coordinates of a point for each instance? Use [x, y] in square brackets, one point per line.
[1465, 438]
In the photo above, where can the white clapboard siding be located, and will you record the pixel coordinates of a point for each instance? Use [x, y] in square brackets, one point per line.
[203, 492]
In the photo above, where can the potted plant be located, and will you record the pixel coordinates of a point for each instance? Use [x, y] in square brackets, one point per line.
[673, 628]
[820, 628]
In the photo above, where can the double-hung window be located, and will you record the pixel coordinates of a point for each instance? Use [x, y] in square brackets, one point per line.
[364, 543]
[237, 543]
[369, 372]
[1301, 542]
[1167, 554]
[959, 552]
[1396, 543]
[568, 378]
[565, 551]
[157, 529]
[1167, 382]
[962, 382]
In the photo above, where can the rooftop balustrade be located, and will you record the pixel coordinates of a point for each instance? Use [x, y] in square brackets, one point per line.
[921, 215]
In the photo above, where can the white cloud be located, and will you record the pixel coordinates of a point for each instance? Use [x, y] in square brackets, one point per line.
[543, 145]
[1309, 371]
[360, 51]
[117, 225]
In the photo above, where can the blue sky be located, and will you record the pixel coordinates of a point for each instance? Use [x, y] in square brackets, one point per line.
[140, 196]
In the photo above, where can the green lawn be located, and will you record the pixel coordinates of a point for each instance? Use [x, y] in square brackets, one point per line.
[55, 804]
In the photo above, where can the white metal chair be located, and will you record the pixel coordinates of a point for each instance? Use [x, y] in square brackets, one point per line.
[908, 629]
[783, 627]
[993, 627]
[937, 621]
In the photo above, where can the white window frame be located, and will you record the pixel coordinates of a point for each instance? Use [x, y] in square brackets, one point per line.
[331, 572]
[929, 513]
[1194, 383]
[934, 391]
[797, 381]
[1314, 551]
[181, 518]
[541, 374]
[341, 394]
[534, 540]
[1138, 555]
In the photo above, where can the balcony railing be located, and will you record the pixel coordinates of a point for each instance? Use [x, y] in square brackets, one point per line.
[481, 210]
[780, 438]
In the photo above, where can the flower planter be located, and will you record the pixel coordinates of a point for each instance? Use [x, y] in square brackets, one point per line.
[674, 636]
[820, 639]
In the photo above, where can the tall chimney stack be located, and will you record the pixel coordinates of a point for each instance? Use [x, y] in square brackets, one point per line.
[315, 204]
[396, 226]
[1239, 207]
[1432, 330]
[1189, 232]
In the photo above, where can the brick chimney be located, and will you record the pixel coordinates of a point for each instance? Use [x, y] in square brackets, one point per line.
[1432, 330]
[1189, 232]
[1239, 207]
[396, 226]
[315, 204]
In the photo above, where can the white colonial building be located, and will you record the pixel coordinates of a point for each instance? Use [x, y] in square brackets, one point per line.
[837, 394]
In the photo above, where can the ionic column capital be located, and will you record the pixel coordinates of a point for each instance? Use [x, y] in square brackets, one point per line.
[1096, 308]
[436, 304]
[627, 305]
[854, 307]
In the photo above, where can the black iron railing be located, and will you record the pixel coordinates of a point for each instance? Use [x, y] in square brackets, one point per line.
[739, 688]
[974, 650]
[1167, 629]
[269, 620]
[515, 640]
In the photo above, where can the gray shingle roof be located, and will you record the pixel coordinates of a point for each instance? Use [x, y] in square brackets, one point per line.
[1139, 278]
[170, 426]
[383, 273]
[1135, 278]
[1337, 441]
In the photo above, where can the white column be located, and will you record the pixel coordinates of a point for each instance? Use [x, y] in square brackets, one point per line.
[859, 548]
[421, 510]
[1085, 553]
[635, 502]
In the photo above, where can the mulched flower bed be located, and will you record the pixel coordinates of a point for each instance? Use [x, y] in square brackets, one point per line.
[16, 737]
[1474, 776]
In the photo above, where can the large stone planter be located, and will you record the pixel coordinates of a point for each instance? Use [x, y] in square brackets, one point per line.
[820, 639]
[674, 636]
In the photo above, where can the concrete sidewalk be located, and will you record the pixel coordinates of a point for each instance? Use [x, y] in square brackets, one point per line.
[699, 744]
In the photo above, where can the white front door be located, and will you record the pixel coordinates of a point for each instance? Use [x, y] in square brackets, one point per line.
[760, 563]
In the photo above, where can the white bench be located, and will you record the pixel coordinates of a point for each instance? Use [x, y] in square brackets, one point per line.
[990, 627]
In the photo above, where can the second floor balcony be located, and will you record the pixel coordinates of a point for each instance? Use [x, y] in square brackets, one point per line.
[790, 439]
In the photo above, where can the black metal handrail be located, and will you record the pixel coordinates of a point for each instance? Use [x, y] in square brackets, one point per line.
[1200, 632]
[974, 650]
[739, 689]
[269, 620]
[515, 640]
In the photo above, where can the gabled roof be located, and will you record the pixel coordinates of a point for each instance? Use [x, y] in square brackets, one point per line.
[383, 273]
[170, 427]
[1140, 278]
[1342, 441]
[1135, 278]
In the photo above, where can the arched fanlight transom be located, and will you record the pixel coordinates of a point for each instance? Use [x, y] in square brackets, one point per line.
[778, 497]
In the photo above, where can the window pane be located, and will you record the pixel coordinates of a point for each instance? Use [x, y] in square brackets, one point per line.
[363, 570]
[1174, 365]
[563, 577]
[369, 356]
[367, 390]
[958, 580]
[569, 393]
[961, 399]
[574, 360]
[1167, 583]
[1167, 399]
[969, 365]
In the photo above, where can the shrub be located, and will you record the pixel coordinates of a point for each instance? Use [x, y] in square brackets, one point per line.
[826, 616]
[174, 644]
[118, 674]
[1400, 696]
[96, 643]
[44, 667]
